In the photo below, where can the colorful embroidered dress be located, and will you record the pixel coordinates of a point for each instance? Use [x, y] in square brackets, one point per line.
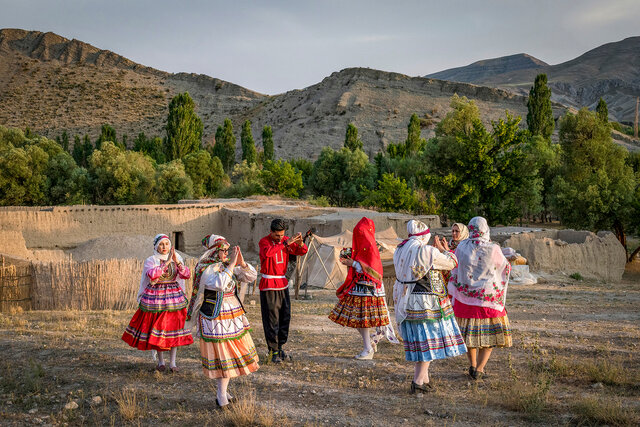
[423, 311]
[158, 324]
[362, 298]
[478, 287]
[216, 313]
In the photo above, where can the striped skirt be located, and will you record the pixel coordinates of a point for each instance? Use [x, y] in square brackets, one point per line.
[426, 341]
[158, 324]
[490, 332]
[363, 307]
[229, 358]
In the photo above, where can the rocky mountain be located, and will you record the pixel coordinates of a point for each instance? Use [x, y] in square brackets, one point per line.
[487, 68]
[52, 84]
[611, 71]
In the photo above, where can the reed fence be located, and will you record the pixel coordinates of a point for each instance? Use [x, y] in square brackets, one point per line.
[91, 285]
[15, 286]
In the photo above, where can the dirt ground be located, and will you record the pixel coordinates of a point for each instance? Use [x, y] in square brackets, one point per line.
[574, 362]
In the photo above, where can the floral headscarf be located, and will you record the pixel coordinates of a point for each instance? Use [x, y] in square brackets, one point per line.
[213, 243]
[482, 275]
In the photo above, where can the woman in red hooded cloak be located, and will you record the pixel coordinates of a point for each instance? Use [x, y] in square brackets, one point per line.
[361, 302]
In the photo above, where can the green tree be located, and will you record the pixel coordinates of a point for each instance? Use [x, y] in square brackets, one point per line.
[172, 182]
[391, 195]
[152, 147]
[107, 133]
[267, 143]
[281, 177]
[22, 175]
[414, 143]
[341, 175]
[247, 180]
[305, 166]
[602, 111]
[351, 140]
[225, 145]
[206, 173]
[546, 157]
[247, 143]
[475, 172]
[540, 115]
[594, 188]
[184, 128]
[118, 176]
[67, 184]
[65, 141]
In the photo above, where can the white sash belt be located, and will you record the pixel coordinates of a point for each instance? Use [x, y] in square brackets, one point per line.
[268, 276]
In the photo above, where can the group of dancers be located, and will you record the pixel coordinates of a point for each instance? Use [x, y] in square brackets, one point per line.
[449, 299]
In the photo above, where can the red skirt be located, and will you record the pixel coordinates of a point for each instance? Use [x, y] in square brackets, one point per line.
[159, 331]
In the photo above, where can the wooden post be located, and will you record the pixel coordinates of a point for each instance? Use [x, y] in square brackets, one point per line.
[299, 269]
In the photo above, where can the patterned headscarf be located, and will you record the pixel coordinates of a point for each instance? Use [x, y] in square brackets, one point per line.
[156, 241]
[213, 243]
[482, 275]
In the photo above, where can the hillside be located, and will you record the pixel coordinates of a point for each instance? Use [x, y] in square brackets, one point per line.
[51, 84]
[611, 71]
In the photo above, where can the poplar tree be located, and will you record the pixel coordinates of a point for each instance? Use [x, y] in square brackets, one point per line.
[184, 128]
[225, 145]
[267, 143]
[602, 111]
[351, 140]
[540, 115]
[413, 142]
[247, 143]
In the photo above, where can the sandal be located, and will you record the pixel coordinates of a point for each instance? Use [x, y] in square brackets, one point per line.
[161, 368]
[223, 407]
[421, 388]
[174, 369]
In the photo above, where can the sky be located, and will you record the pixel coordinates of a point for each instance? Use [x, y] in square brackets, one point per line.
[276, 46]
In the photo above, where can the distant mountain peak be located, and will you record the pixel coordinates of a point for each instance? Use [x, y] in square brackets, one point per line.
[489, 67]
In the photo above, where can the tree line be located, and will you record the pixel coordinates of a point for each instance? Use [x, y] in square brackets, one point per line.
[507, 172]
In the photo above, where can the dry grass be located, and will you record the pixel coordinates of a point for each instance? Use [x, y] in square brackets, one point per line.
[247, 412]
[595, 411]
[130, 405]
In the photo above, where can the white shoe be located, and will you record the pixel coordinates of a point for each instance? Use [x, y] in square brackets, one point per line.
[366, 354]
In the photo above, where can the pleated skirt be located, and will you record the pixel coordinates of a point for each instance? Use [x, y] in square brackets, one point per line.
[427, 341]
[488, 332]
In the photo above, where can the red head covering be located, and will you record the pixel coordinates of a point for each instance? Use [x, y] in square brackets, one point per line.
[365, 251]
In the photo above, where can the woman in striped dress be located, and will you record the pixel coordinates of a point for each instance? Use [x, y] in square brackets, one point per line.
[217, 315]
[423, 311]
[478, 287]
[158, 324]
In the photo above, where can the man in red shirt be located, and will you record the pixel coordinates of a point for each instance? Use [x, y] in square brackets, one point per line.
[275, 303]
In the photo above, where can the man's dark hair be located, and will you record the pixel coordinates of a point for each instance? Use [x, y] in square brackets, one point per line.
[278, 224]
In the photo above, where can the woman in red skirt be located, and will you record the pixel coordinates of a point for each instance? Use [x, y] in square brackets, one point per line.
[158, 324]
[362, 302]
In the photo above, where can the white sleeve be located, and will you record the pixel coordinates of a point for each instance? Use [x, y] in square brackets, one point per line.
[357, 266]
[149, 263]
[215, 280]
[444, 261]
[245, 275]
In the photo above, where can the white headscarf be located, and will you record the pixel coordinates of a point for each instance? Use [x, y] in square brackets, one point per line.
[156, 242]
[412, 260]
[482, 276]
